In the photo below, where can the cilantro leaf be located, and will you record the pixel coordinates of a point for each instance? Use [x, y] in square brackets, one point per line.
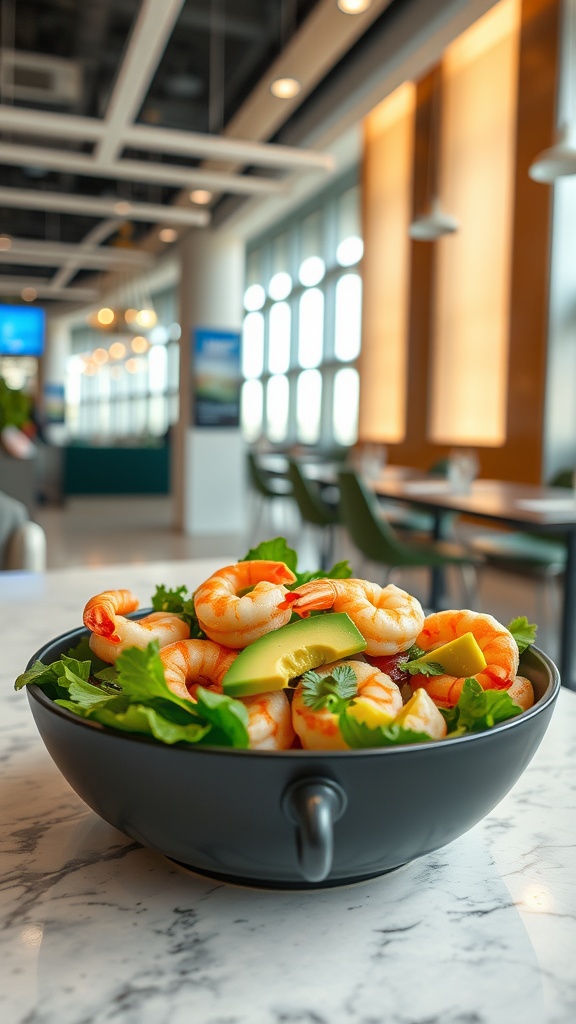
[478, 709]
[358, 735]
[421, 668]
[524, 632]
[178, 602]
[333, 691]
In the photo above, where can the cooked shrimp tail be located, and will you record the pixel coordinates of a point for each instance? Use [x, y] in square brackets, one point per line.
[113, 633]
[101, 611]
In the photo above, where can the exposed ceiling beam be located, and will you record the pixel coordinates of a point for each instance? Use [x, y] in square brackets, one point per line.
[138, 170]
[45, 289]
[51, 254]
[99, 206]
[149, 37]
[98, 234]
[324, 37]
[165, 140]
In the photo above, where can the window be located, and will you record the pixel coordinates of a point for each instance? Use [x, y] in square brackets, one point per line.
[125, 385]
[302, 326]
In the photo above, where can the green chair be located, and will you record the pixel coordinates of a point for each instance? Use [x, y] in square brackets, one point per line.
[271, 490]
[314, 509]
[377, 540]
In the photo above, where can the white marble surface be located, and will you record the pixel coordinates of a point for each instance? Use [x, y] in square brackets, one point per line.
[96, 929]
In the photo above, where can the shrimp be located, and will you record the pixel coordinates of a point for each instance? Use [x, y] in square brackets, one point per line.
[193, 663]
[189, 664]
[112, 633]
[234, 619]
[522, 693]
[495, 641]
[388, 618]
[378, 701]
[269, 721]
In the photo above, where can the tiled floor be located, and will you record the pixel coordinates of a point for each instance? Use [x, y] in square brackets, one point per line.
[104, 530]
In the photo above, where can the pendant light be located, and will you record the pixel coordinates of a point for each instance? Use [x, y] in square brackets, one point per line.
[560, 160]
[434, 222]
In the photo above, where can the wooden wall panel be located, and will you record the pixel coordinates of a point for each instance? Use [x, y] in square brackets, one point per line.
[520, 457]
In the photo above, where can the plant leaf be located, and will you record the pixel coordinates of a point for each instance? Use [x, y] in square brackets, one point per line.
[358, 735]
[524, 632]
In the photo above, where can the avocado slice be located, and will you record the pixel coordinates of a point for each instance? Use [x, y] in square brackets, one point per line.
[284, 654]
[459, 657]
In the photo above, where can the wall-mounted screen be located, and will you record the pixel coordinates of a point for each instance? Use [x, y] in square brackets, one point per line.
[22, 330]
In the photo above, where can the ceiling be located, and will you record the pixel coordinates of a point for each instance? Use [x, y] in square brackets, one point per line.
[113, 111]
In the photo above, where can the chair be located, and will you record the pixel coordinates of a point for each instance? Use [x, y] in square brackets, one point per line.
[314, 509]
[22, 542]
[377, 540]
[269, 489]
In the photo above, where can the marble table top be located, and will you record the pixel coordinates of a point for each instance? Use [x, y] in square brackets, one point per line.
[95, 928]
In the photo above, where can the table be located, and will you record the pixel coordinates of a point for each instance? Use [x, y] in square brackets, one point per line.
[95, 928]
[522, 506]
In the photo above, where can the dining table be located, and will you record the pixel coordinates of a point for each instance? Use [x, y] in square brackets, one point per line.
[527, 507]
[97, 929]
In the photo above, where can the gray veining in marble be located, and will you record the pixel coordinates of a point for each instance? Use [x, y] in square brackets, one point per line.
[96, 929]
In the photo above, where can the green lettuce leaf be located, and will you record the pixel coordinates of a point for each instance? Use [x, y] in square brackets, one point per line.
[277, 550]
[478, 709]
[147, 720]
[358, 735]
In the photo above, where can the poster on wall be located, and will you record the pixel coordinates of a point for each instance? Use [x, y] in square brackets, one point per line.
[216, 377]
[54, 403]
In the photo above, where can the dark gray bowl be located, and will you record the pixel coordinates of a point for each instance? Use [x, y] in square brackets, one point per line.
[292, 819]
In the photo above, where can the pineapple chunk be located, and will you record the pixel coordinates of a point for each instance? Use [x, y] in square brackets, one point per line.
[422, 715]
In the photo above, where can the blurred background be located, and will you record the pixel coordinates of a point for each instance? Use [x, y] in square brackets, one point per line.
[240, 234]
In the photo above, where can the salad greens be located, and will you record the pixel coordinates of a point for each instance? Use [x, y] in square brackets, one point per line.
[132, 695]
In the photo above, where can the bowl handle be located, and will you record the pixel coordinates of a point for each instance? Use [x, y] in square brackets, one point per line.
[314, 804]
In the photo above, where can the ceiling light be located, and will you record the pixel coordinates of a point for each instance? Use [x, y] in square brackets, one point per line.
[146, 318]
[5, 243]
[117, 350]
[354, 6]
[105, 316]
[556, 162]
[139, 344]
[29, 294]
[100, 356]
[168, 235]
[432, 225]
[559, 160]
[285, 88]
[122, 208]
[200, 196]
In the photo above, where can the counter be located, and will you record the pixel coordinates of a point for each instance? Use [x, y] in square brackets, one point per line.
[97, 929]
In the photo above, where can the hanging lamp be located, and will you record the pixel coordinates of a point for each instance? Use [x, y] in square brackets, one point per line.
[559, 160]
[434, 222]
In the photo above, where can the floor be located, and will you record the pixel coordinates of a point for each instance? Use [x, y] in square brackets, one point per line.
[103, 530]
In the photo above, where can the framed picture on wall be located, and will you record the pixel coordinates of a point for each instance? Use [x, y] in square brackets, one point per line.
[215, 377]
